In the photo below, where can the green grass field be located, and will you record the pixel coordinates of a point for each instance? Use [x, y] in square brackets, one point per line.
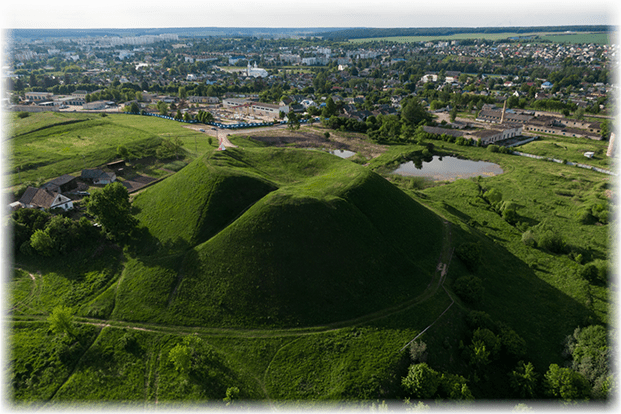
[297, 276]
[570, 149]
[600, 38]
[46, 145]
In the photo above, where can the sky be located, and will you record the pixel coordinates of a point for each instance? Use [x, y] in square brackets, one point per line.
[308, 13]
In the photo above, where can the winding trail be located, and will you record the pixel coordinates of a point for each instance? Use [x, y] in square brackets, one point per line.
[436, 281]
[151, 384]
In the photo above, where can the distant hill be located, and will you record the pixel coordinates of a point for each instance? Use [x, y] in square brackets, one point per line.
[36, 33]
[370, 32]
[276, 238]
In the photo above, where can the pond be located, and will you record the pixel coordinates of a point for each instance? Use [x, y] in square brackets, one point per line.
[342, 153]
[448, 169]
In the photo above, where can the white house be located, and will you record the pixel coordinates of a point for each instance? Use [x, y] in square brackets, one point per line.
[43, 198]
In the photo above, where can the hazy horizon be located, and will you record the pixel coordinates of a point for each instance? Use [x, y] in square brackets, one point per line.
[118, 14]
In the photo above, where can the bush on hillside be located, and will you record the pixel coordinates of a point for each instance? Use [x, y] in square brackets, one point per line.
[421, 381]
[469, 289]
[529, 239]
[418, 351]
[552, 241]
[470, 254]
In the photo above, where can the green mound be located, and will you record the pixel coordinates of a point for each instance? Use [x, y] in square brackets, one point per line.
[278, 238]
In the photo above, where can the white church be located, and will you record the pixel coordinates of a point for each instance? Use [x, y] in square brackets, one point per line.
[255, 71]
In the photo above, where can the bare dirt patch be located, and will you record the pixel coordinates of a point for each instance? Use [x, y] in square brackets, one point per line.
[137, 182]
[313, 137]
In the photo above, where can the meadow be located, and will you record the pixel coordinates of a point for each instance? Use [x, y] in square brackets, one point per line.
[534, 37]
[295, 278]
[47, 145]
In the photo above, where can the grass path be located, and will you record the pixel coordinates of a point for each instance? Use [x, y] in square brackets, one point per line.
[151, 381]
[435, 283]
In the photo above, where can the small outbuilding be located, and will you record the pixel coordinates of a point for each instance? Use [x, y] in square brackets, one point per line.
[98, 176]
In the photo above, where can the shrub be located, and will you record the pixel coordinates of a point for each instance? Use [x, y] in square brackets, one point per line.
[528, 238]
[584, 217]
[421, 381]
[493, 148]
[551, 241]
[418, 351]
[589, 272]
[510, 216]
[491, 341]
[513, 344]
[470, 254]
[469, 289]
[479, 319]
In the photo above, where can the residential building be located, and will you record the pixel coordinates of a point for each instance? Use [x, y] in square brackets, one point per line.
[43, 198]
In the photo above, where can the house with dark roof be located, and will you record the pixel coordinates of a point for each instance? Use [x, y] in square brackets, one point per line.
[62, 184]
[43, 198]
[97, 176]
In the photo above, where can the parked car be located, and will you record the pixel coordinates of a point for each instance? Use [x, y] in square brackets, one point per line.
[202, 130]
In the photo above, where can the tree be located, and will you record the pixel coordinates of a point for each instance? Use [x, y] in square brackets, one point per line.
[523, 380]
[454, 387]
[181, 358]
[491, 341]
[112, 209]
[61, 320]
[232, 394]
[604, 129]
[418, 351]
[133, 108]
[413, 113]
[566, 384]
[204, 117]
[552, 241]
[42, 243]
[293, 122]
[513, 344]
[183, 93]
[330, 109]
[162, 108]
[421, 381]
[591, 356]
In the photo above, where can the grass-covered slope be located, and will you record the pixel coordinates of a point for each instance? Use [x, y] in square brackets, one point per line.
[278, 237]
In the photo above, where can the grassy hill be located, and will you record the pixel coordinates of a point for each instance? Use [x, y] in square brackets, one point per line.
[295, 275]
[46, 145]
[276, 237]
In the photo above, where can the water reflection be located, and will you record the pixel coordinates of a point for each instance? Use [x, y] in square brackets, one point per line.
[447, 168]
[342, 153]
